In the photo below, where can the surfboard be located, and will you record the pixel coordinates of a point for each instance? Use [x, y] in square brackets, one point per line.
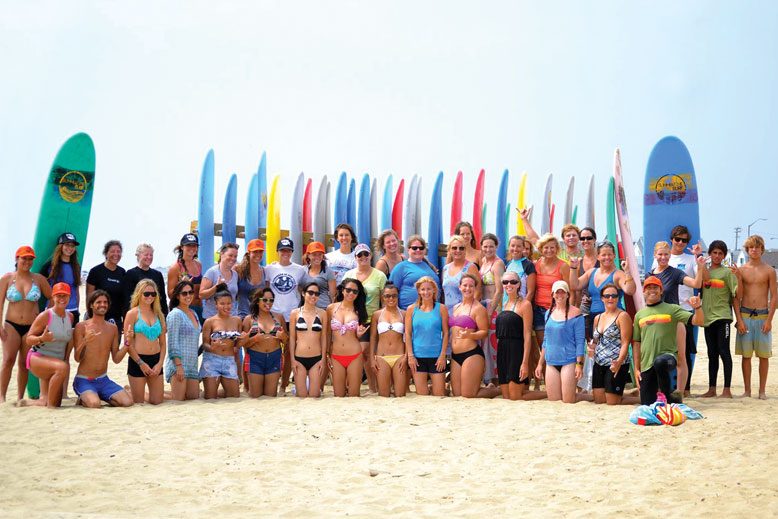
[545, 222]
[296, 219]
[551, 219]
[373, 213]
[229, 211]
[341, 200]
[625, 230]
[478, 206]
[322, 211]
[328, 215]
[670, 195]
[351, 205]
[435, 226]
[610, 218]
[483, 219]
[262, 188]
[575, 215]
[273, 221]
[66, 205]
[417, 213]
[205, 213]
[397, 209]
[589, 221]
[410, 209]
[386, 205]
[251, 225]
[568, 217]
[456, 204]
[363, 217]
[307, 209]
[500, 223]
[521, 203]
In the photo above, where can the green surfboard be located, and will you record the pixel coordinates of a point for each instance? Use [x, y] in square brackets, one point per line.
[65, 207]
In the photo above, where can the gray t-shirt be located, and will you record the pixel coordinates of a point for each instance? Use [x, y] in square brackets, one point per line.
[322, 280]
[209, 305]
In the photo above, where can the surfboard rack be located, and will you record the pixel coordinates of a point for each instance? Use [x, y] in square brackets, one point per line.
[240, 232]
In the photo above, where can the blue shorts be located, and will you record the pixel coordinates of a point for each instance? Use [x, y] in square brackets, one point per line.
[539, 317]
[264, 363]
[215, 366]
[104, 387]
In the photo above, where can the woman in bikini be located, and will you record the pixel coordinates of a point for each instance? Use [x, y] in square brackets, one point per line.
[490, 274]
[347, 318]
[144, 334]
[610, 349]
[426, 337]
[388, 244]
[221, 334]
[308, 343]
[264, 331]
[187, 268]
[183, 343]
[472, 254]
[388, 360]
[21, 289]
[455, 269]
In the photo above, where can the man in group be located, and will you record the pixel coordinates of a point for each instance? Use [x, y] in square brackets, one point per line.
[754, 308]
[656, 352]
[95, 339]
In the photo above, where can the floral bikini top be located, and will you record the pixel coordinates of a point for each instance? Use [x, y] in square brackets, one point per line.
[342, 328]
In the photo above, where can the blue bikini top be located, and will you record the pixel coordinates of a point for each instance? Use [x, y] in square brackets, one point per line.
[151, 332]
[14, 296]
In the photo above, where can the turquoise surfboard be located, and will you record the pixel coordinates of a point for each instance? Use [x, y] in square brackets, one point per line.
[610, 218]
[373, 212]
[229, 214]
[386, 205]
[205, 213]
[262, 192]
[501, 229]
[363, 216]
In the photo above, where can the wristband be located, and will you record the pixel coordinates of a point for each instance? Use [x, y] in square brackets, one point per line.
[579, 364]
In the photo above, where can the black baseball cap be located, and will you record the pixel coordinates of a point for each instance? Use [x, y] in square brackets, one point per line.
[285, 243]
[67, 237]
[189, 239]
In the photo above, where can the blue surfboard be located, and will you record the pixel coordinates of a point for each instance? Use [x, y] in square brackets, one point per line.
[262, 191]
[500, 227]
[351, 205]
[296, 219]
[386, 205]
[252, 212]
[363, 217]
[229, 213]
[341, 200]
[205, 213]
[435, 228]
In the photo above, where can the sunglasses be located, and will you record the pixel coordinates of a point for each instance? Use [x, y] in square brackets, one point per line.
[267, 300]
[457, 248]
[587, 238]
[149, 294]
[184, 293]
[610, 296]
[350, 290]
[510, 281]
[416, 247]
[313, 293]
[681, 240]
[363, 254]
[390, 296]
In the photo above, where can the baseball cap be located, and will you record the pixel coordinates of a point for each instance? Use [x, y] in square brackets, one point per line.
[361, 248]
[60, 288]
[25, 251]
[255, 245]
[189, 239]
[285, 243]
[314, 246]
[67, 237]
[653, 280]
[560, 285]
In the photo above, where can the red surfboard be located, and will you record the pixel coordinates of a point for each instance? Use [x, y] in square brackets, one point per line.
[456, 203]
[397, 209]
[307, 224]
[478, 206]
[551, 219]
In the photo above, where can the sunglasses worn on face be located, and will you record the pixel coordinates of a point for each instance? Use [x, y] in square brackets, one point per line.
[610, 296]
[363, 254]
[510, 281]
[185, 293]
[313, 293]
[390, 296]
[350, 290]
[587, 238]
[416, 247]
[681, 240]
[149, 294]
[457, 248]
[269, 301]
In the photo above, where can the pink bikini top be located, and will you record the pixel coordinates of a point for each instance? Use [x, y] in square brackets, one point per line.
[342, 328]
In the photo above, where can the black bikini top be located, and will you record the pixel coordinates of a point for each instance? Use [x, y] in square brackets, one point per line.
[302, 326]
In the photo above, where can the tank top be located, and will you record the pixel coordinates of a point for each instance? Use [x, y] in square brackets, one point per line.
[510, 326]
[543, 284]
[245, 288]
[427, 332]
[451, 286]
[62, 328]
[597, 306]
[608, 344]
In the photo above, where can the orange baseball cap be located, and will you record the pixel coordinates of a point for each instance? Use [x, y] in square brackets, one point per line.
[25, 251]
[653, 280]
[314, 246]
[60, 288]
[255, 245]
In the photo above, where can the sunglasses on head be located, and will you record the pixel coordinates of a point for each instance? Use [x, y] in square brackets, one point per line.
[149, 294]
[268, 300]
[587, 238]
[510, 281]
[314, 293]
[185, 293]
[363, 254]
[680, 240]
[350, 290]
[416, 247]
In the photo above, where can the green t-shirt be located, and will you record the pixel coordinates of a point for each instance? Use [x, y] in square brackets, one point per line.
[655, 328]
[373, 285]
[717, 295]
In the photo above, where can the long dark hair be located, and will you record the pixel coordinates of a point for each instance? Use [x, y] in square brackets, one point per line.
[56, 266]
[175, 298]
[305, 287]
[553, 305]
[256, 295]
[359, 303]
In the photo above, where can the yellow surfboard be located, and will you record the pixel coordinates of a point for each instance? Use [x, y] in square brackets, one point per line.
[522, 204]
[273, 222]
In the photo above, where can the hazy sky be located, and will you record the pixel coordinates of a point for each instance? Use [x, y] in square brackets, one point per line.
[402, 87]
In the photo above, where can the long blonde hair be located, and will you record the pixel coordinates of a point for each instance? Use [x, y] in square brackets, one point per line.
[143, 284]
[420, 282]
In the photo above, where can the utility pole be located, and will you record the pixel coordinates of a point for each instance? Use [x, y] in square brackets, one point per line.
[738, 230]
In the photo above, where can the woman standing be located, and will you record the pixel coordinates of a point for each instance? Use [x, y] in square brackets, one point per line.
[388, 359]
[610, 349]
[514, 342]
[389, 246]
[454, 270]
[144, 334]
[109, 276]
[588, 261]
[317, 272]
[426, 334]
[348, 322]
[50, 342]
[187, 268]
[471, 254]
[342, 260]
[63, 267]
[221, 273]
[145, 256]
[308, 343]
[563, 346]
[264, 332]
[490, 274]
[251, 276]
[405, 275]
[220, 349]
[22, 289]
[183, 341]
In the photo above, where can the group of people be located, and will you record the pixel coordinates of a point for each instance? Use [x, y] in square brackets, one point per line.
[550, 313]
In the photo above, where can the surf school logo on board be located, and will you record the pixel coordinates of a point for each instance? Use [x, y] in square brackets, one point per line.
[671, 188]
[284, 283]
[72, 186]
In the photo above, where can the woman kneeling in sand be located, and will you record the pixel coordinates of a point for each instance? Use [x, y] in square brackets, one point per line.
[387, 358]
[347, 317]
[144, 332]
[308, 342]
[220, 346]
[264, 332]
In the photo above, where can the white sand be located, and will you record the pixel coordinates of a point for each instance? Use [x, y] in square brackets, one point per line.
[416, 455]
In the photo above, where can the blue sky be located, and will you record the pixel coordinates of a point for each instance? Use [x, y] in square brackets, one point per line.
[397, 87]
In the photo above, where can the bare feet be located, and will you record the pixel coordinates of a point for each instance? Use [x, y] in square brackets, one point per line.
[762, 396]
[710, 393]
[746, 394]
[29, 402]
[687, 394]
[726, 393]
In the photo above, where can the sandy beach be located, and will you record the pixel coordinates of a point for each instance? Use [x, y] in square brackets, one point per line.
[374, 456]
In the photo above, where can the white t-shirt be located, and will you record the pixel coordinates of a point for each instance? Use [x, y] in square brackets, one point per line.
[340, 263]
[284, 282]
[688, 264]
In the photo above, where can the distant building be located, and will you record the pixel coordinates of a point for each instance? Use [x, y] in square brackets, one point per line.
[770, 257]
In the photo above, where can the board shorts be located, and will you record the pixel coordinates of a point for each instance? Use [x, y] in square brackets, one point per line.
[754, 341]
[215, 366]
[102, 386]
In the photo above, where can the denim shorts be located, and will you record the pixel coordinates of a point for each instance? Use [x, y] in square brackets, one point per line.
[261, 363]
[539, 317]
[214, 366]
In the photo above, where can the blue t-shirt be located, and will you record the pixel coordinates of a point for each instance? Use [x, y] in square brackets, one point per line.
[404, 276]
[564, 340]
